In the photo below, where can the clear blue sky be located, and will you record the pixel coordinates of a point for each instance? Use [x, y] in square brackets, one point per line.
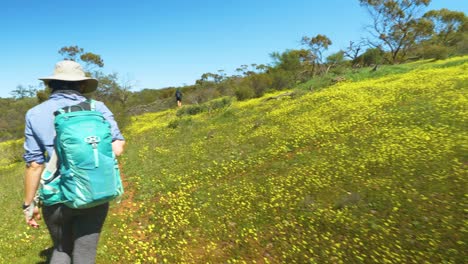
[156, 44]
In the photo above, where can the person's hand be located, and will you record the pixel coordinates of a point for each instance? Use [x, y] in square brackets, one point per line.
[118, 147]
[32, 214]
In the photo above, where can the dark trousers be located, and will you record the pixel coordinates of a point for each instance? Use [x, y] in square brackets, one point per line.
[75, 232]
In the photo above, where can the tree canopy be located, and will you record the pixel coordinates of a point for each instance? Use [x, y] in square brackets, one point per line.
[396, 24]
[448, 26]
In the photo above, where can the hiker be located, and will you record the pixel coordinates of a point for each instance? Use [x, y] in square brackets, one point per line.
[178, 95]
[74, 232]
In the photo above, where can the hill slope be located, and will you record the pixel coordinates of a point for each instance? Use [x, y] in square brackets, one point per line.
[368, 171]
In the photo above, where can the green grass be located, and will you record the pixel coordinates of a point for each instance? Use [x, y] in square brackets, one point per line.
[18, 243]
[368, 171]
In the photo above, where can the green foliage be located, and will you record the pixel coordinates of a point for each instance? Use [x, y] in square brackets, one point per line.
[448, 26]
[260, 83]
[462, 46]
[372, 56]
[23, 92]
[78, 54]
[396, 25]
[337, 63]
[317, 83]
[43, 95]
[317, 46]
[12, 117]
[150, 100]
[293, 61]
[180, 122]
[205, 107]
[244, 92]
[437, 52]
[12, 152]
[110, 89]
[282, 79]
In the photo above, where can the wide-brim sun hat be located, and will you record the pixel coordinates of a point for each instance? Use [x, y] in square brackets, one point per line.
[72, 71]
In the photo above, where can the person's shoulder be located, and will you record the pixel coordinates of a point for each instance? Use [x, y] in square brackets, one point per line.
[100, 106]
[98, 103]
[40, 108]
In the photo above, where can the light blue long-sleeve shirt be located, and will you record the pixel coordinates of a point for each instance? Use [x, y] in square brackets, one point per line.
[40, 131]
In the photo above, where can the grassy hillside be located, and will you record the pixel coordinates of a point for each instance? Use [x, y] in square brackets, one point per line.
[370, 170]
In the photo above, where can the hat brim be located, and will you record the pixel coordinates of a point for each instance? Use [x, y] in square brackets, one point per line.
[91, 84]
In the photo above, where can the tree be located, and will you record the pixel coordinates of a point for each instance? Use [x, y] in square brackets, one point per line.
[448, 26]
[396, 24]
[372, 56]
[254, 69]
[23, 92]
[317, 45]
[89, 59]
[211, 77]
[297, 63]
[259, 83]
[110, 88]
[71, 52]
[353, 51]
[336, 61]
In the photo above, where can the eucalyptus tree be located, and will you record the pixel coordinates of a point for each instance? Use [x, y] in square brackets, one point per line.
[292, 66]
[397, 25]
[75, 53]
[448, 26]
[23, 92]
[317, 46]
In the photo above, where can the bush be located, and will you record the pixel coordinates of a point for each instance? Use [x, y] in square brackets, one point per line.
[206, 107]
[260, 83]
[12, 152]
[219, 103]
[437, 52]
[190, 110]
[372, 56]
[282, 79]
[179, 122]
[244, 93]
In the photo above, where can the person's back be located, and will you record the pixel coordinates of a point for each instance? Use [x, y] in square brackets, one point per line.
[178, 95]
[75, 232]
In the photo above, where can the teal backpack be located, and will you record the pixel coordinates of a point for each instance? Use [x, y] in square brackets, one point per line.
[88, 173]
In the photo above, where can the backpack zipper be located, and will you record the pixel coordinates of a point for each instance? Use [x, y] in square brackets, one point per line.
[93, 141]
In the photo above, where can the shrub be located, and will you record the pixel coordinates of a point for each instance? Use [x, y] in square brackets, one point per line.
[12, 152]
[372, 56]
[219, 103]
[206, 107]
[179, 122]
[244, 93]
[190, 110]
[434, 52]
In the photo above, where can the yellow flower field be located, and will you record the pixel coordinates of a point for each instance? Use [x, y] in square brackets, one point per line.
[369, 171]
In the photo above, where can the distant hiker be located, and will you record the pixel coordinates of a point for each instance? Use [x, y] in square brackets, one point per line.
[74, 232]
[178, 95]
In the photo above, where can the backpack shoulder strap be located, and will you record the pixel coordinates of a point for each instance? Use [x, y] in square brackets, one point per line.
[50, 169]
[92, 104]
[86, 105]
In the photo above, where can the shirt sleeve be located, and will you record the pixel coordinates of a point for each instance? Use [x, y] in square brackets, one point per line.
[32, 148]
[116, 134]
